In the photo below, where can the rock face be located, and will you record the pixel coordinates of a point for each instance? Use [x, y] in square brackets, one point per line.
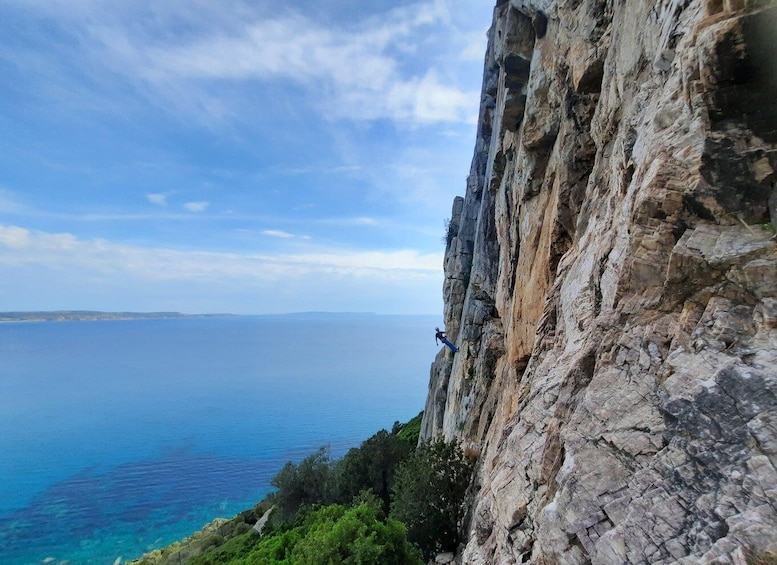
[611, 281]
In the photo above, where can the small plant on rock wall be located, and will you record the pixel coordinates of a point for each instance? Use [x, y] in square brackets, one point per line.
[451, 231]
[767, 558]
[472, 453]
[767, 226]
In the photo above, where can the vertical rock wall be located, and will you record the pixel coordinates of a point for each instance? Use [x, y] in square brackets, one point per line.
[611, 280]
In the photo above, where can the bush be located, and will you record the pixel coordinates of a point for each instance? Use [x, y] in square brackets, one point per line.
[451, 231]
[335, 535]
[231, 551]
[429, 492]
[319, 480]
[311, 482]
[328, 535]
[300, 533]
[409, 431]
[373, 465]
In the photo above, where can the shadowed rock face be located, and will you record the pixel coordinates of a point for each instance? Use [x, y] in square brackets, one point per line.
[611, 280]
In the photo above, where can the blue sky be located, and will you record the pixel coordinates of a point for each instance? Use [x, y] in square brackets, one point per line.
[233, 156]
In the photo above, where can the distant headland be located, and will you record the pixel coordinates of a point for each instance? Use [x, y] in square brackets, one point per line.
[91, 315]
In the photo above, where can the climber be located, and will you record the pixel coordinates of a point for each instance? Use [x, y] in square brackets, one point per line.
[441, 336]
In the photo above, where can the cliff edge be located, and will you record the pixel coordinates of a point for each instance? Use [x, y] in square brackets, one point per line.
[611, 281]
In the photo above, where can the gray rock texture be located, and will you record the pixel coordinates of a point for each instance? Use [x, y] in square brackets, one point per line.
[611, 281]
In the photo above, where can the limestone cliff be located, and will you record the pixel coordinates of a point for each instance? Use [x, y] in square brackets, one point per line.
[611, 280]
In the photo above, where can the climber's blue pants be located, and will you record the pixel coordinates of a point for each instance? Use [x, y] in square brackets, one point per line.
[449, 344]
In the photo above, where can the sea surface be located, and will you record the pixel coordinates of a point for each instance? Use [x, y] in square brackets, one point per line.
[119, 437]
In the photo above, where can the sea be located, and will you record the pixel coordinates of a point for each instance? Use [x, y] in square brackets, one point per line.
[119, 437]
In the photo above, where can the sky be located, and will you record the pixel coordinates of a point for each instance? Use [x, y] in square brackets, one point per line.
[233, 156]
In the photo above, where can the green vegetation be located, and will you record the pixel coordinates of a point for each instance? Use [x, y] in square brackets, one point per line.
[383, 502]
[313, 481]
[318, 480]
[451, 231]
[328, 535]
[410, 431]
[429, 495]
[373, 466]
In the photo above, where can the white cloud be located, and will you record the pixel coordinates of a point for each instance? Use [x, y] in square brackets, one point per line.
[65, 252]
[278, 233]
[366, 69]
[353, 72]
[14, 237]
[104, 275]
[427, 100]
[157, 198]
[475, 47]
[22, 239]
[355, 221]
[199, 206]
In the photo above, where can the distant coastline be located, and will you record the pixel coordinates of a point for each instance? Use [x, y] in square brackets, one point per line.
[96, 316]
[92, 315]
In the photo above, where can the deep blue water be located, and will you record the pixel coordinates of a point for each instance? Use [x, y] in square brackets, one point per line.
[117, 437]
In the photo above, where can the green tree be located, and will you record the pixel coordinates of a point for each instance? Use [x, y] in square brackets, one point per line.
[319, 480]
[429, 490]
[330, 535]
[354, 536]
[372, 466]
[311, 482]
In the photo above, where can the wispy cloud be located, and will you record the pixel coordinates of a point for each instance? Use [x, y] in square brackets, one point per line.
[199, 206]
[355, 70]
[157, 198]
[20, 246]
[278, 233]
[363, 70]
[428, 100]
[474, 47]
[10, 203]
[338, 170]
[278, 125]
[13, 237]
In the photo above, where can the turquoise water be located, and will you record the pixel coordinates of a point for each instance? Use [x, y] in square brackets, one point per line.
[118, 437]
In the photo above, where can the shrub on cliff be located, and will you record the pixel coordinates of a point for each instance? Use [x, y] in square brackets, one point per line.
[367, 472]
[356, 535]
[373, 465]
[410, 430]
[328, 535]
[319, 480]
[311, 482]
[429, 491]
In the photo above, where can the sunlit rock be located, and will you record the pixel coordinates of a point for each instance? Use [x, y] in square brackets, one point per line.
[611, 282]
